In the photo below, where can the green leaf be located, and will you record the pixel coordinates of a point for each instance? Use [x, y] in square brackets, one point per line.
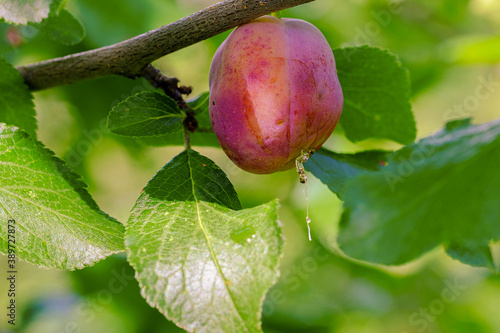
[24, 11]
[204, 264]
[203, 136]
[376, 95]
[62, 27]
[16, 101]
[199, 104]
[441, 190]
[335, 170]
[58, 225]
[147, 113]
[200, 107]
[201, 139]
[477, 255]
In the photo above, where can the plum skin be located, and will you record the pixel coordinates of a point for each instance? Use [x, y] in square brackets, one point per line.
[274, 92]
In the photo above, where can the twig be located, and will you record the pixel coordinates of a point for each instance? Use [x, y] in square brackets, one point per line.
[187, 138]
[130, 57]
[170, 85]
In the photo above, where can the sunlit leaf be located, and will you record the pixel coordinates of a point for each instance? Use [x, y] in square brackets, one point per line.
[24, 11]
[202, 262]
[58, 225]
[16, 101]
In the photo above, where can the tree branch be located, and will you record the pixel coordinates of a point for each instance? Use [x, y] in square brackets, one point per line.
[130, 57]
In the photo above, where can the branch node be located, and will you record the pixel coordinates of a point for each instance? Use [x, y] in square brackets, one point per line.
[190, 122]
[170, 85]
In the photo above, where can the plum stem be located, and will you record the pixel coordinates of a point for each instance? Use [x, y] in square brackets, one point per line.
[187, 138]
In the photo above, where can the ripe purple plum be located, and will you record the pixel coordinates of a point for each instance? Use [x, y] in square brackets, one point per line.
[274, 93]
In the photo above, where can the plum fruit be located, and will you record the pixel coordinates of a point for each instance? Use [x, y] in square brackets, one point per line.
[274, 93]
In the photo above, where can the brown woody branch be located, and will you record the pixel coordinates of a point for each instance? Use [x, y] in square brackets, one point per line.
[130, 57]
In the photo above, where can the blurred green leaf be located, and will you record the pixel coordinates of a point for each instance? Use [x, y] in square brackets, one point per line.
[24, 11]
[16, 101]
[376, 95]
[58, 225]
[478, 49]
[119, 19]
[147, 113]
[202, 263]
[335, 170]
[62, 27]
[443, 189]
[477, 255]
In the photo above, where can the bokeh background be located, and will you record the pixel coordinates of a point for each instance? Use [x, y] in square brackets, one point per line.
[447, 45]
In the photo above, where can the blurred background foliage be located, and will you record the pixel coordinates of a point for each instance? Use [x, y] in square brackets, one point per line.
[446, 44]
